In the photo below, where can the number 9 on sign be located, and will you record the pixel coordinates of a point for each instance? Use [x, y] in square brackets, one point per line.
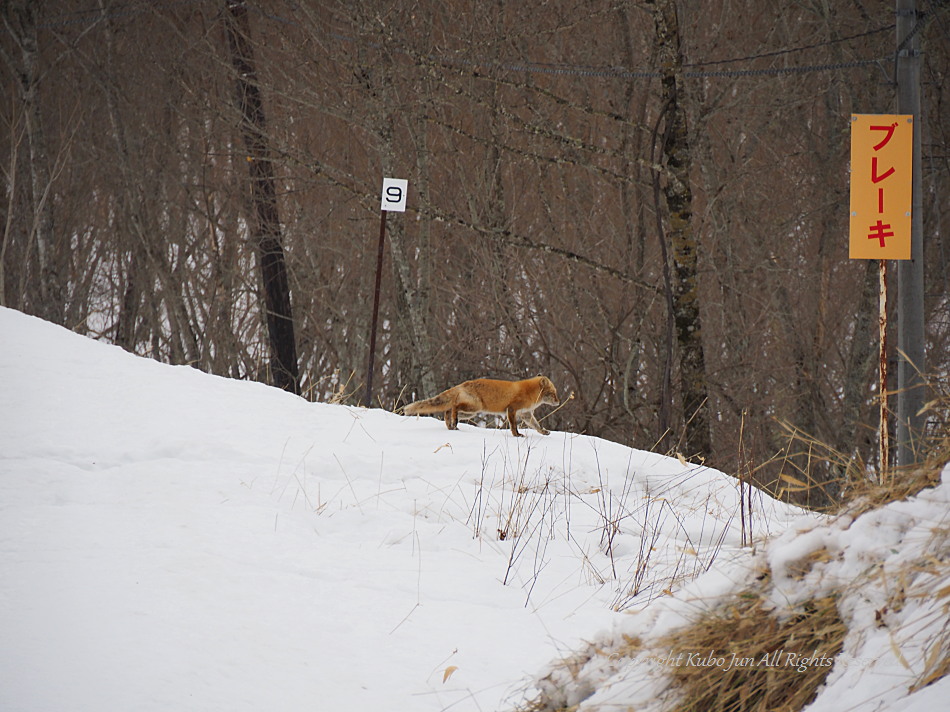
[394, 194]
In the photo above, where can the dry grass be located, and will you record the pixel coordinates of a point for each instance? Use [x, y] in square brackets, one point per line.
[737, 658]
[744, 629]
[741, 657]
[813, 474]
[931, 582]
[902, 483]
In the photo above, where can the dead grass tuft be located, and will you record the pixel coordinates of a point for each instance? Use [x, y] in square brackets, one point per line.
[815, 475]
[741, 657]
[902, 483]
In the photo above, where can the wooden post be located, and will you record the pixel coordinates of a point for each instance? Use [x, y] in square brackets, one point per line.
[882, 324]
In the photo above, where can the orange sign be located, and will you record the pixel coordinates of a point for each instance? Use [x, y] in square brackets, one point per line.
[881, 179]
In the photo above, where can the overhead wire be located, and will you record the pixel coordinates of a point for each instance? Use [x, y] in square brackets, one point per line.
[96, 14]
[620, 72]
[691, 70]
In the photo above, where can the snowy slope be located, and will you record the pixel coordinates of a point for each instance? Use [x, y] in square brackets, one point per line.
[889, 568]
[174, 540]
[888, 571]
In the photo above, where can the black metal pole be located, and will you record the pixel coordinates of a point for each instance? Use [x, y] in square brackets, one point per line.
[371, 366]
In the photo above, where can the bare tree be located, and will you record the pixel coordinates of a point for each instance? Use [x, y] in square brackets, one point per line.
[641, 199]
[681, 231]
[280, 320]
[20, 18]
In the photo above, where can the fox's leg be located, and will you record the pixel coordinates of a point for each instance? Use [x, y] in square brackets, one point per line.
[533, 422]
[513, 422]
[452, 418]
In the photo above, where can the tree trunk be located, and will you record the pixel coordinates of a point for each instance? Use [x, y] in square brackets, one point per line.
[266, 233]
[20, 18]
[682, 236]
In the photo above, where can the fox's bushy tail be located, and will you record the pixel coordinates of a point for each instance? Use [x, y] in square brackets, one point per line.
[435, 404]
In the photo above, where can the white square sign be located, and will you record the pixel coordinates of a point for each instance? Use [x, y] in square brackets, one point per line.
[394, 194]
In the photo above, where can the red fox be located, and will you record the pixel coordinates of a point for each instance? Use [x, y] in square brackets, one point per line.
[486, 395]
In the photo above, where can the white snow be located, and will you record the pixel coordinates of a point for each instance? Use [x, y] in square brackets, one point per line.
[888, 568]
[174, 540]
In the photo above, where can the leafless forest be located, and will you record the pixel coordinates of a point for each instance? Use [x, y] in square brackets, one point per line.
[646, 200]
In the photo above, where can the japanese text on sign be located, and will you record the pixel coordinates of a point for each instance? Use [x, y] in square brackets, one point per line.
[881, 178]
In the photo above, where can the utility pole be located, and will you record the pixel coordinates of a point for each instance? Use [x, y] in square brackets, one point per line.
[910, 273]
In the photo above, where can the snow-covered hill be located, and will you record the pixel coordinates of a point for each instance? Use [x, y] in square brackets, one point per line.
[883, 575]
[174, 540]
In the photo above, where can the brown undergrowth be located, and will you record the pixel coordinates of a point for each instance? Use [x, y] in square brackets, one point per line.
[902, 483]
[741, 657]
[815, 475]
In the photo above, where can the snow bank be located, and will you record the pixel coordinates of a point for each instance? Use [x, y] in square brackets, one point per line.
[174, 540]
[887, 570]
